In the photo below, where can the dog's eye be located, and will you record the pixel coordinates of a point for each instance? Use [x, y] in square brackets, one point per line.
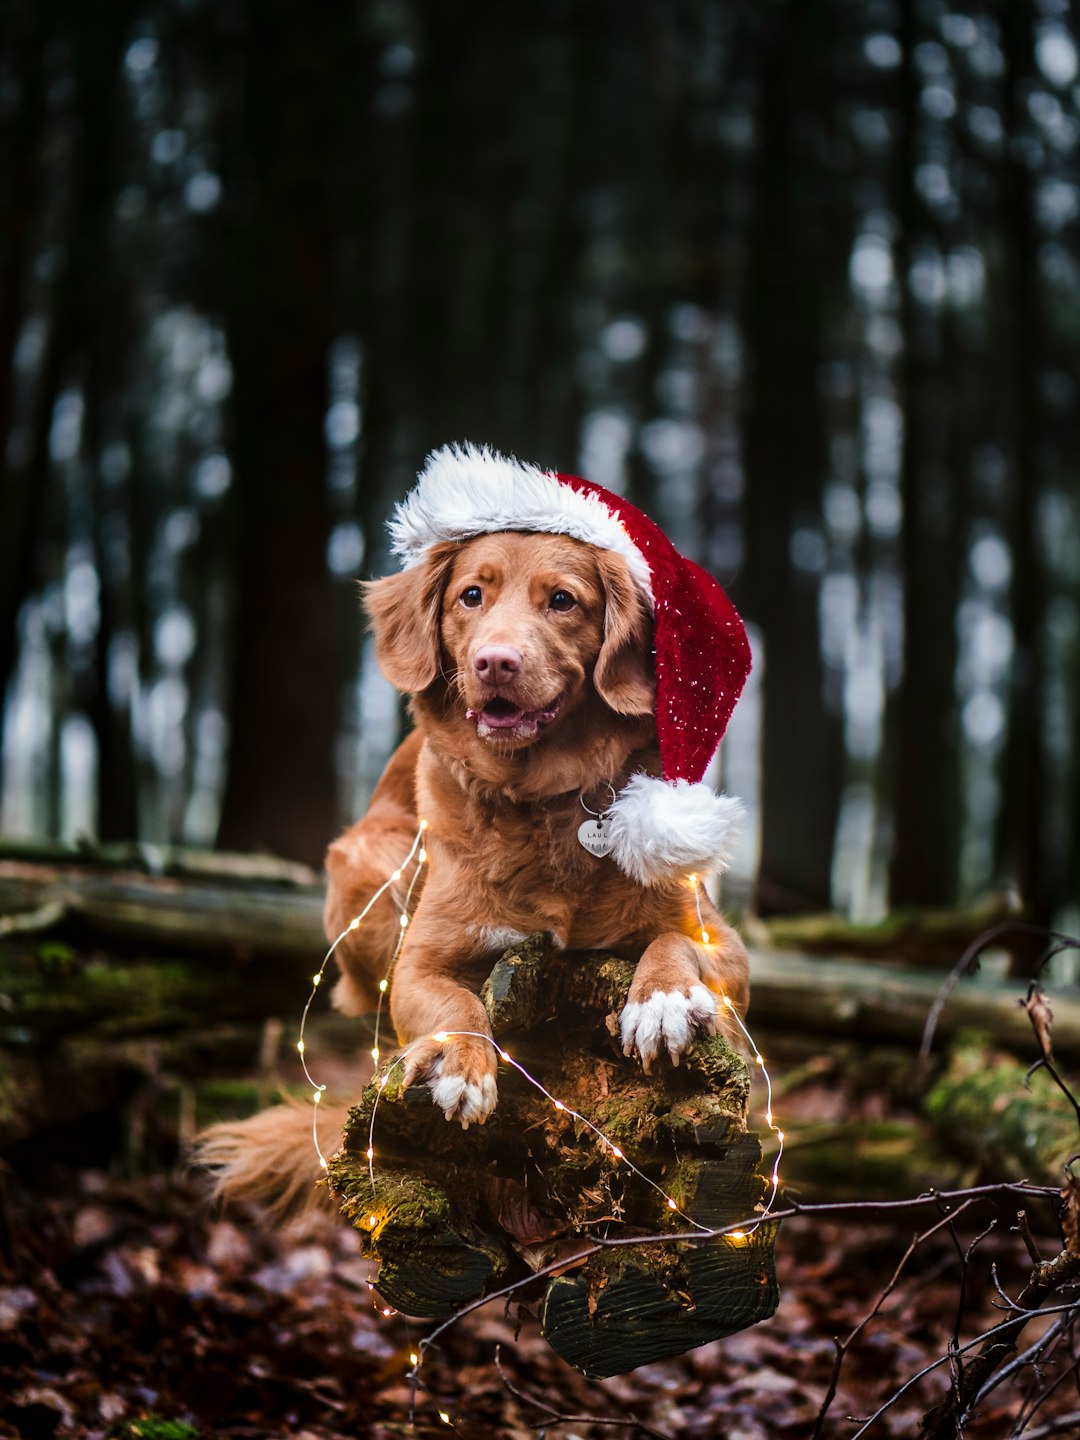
[562, 600]
[471, 596]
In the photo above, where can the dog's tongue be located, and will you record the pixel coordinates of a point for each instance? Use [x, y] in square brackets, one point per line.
[499, 714]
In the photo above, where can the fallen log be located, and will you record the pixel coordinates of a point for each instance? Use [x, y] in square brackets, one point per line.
[915, 936]
[184, 974]
[817, 995]
[1000, 1119]
[250, 911]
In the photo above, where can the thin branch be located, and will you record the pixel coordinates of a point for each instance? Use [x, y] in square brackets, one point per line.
[967, 961]
[559, 1418]
[1060, 1425]
[1023, 1229]
[843, 1346]
[1035, 1400]
[998, 1343]
[1044, 1063]
[839, 1208]
[1025, 1358]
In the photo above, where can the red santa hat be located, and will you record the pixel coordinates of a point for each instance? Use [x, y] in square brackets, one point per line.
[657, 827]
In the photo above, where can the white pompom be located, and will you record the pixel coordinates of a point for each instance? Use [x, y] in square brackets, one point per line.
[662, 829]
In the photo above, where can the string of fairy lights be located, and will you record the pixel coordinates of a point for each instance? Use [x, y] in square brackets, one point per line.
[417, 858]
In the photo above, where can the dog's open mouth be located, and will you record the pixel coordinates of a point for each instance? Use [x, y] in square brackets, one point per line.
[502, 717]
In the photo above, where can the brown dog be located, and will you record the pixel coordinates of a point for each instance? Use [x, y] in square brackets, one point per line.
[529, 659]
[563, 660]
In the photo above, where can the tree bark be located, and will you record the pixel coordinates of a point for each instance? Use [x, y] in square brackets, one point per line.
[923, 730]
[280, 793]
[785, 468]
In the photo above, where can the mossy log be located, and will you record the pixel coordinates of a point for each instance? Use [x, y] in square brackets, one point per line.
[187, 901]
[1003, 1121]
[877, 1002]
[450, 1215]
[912, 934]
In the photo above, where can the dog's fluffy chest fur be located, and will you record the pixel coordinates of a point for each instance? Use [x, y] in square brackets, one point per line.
[519, 862]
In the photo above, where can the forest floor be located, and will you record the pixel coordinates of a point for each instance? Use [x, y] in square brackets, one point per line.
[133, 1309]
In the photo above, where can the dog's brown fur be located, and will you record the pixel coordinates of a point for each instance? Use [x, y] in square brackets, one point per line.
[504, 808]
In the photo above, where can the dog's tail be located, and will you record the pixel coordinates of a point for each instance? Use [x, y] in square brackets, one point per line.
[270, 1160]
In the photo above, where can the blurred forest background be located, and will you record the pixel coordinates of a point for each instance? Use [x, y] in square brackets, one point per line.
[801, 277]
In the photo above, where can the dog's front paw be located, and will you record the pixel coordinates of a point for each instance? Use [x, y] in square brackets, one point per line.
[666, 1021]
[460, 1073]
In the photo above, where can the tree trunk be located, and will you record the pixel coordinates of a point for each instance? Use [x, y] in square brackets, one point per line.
[785, 469]
[280, 793]
[923, 729]
[1022, 847]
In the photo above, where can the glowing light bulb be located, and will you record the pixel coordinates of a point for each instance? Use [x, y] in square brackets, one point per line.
[300, 1046]
[558, 1105]
[704, 937]
[414, 1358]
[396, 875]
[616, 1152]
[370, 1153]
[354, 923]
[372, 1221]
[375, 1053]
[422, 857]
[441, 1038]
[423, 824]
[317, 979]
[504, 1055]
[403, 921]
[382, 986]
[444, 1417]
[671, 1204]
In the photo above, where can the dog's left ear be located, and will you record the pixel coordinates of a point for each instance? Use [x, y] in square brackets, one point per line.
[625, 675]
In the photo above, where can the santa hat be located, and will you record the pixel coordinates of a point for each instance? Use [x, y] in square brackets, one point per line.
[658, 827]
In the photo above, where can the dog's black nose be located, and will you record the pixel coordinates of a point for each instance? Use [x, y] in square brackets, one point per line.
[497, 664]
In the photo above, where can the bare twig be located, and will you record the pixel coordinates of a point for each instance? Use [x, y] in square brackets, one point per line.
[999, 1343]
[967, 962]
[1035, 1399]
[1060, 1425]
[1023, 1229]
[1026, 1357]
[843, 1346]
[558, 1417]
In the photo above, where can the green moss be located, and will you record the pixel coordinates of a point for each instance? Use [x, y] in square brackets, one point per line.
[987, 1109]
[56, 958]
[154, 1427]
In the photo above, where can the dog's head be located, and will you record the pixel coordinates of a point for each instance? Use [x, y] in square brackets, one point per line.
[514, 633]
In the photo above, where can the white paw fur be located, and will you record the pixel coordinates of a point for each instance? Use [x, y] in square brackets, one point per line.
[666, 1021]
[461, 1099]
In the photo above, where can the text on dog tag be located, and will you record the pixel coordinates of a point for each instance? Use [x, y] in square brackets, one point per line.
[595, 838]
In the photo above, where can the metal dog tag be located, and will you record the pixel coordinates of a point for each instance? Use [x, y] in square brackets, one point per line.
[595, 838]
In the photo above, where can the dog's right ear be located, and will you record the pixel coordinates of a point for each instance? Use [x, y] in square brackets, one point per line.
[405, 611]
